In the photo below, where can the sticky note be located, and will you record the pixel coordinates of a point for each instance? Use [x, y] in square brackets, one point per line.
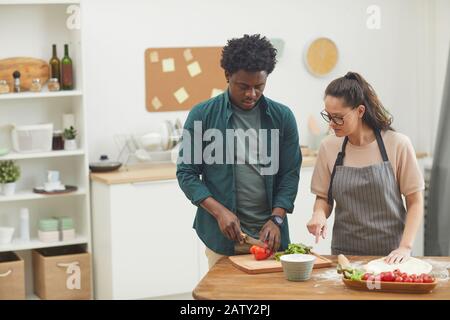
[154, 57]
[194, 69]
[156, 103]
[188, 55]
[168, 65]
[181, 95]
[215, 92]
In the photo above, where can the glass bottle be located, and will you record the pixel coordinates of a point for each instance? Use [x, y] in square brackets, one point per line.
[55, 67]
[67, 72]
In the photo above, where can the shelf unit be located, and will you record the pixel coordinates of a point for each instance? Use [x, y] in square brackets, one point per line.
[31, 28]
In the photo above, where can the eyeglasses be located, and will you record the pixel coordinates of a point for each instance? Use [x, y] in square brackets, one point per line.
[337, 120]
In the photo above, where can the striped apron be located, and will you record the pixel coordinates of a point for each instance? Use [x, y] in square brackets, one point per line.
[369, 214]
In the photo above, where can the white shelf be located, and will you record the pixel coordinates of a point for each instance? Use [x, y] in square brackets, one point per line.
[50, 154]
[30, 195]
[17, 245]
[32, 2]
[42, 94]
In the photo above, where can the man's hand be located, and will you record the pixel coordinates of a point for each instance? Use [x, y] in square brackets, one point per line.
[229, 225]
[270, 234]
[228, 222]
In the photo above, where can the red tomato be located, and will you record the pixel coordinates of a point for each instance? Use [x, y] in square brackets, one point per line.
[366, 276]
[398, 279]
[389, 276]
[408, 279]
[413, 276]
[419, 280]
[428, 279]
[404, 275]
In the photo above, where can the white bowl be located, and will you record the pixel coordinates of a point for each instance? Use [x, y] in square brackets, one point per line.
[6, 234]
[297, 267]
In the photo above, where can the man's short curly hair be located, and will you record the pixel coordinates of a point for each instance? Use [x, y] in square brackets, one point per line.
[250, 53]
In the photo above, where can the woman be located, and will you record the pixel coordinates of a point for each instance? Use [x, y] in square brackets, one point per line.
[365, 168]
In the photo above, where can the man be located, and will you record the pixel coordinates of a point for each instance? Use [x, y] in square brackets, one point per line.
[242, 191]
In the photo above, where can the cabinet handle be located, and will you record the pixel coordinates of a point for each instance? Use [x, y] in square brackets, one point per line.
[7, 273]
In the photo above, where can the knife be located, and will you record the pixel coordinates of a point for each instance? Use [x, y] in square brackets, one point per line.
[247, 239]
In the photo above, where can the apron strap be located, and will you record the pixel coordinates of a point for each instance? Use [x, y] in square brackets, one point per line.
[381, 145]
[339, 162]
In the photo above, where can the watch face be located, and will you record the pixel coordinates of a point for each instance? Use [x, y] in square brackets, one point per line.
[278, 219]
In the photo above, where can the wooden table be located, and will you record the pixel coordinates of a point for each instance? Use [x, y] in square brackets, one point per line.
[226, 282]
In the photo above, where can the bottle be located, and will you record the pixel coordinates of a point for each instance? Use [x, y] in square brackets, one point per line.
[55, 67]
[67, 74]
[16, 76]
[24, 224]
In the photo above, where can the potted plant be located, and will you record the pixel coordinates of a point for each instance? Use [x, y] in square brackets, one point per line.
[69, 138]
[9, 174]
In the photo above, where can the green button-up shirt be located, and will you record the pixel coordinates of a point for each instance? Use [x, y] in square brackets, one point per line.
[200, 180]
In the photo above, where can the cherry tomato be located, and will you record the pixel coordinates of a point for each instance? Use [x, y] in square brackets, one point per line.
[389, 277]
[419, 280]
[408, 279]
[366, 276]
[428, 279]
[398, 279]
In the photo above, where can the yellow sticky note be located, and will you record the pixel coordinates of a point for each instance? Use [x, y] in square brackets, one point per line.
[168, 65]
[194, 69]
[188, 55]
[154, 57]
[216, 92]
[156, 103]
[181, 95]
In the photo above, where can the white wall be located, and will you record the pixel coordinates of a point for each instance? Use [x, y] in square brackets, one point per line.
[441, 56]
[393, 59]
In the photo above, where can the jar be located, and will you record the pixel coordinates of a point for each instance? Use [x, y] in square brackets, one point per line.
[53, 84]
[4, 88]
[58, 141]
[36, 85]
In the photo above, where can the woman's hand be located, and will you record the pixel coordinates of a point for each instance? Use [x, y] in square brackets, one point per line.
[318, 225]
[398, 255]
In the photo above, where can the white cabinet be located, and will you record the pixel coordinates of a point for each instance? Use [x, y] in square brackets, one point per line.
[143, 241]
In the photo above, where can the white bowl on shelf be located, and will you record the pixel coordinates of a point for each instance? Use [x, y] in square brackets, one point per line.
[6, 234]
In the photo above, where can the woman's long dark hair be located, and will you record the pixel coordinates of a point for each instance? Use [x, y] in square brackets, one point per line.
[355, 91]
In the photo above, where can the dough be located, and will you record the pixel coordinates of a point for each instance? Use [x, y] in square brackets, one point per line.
[410, 266]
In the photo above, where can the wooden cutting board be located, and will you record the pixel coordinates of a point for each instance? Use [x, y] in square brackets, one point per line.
[29, 68]
[247, 263]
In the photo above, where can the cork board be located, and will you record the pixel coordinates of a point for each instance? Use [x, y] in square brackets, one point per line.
[179, 78]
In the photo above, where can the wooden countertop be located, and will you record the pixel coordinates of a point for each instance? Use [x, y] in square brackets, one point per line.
[226, 282]
[154, 172]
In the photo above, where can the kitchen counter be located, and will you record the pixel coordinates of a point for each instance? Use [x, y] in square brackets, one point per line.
[154, 172]
[226, 282]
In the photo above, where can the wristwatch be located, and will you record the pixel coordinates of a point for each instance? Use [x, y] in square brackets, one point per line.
[277, 220]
